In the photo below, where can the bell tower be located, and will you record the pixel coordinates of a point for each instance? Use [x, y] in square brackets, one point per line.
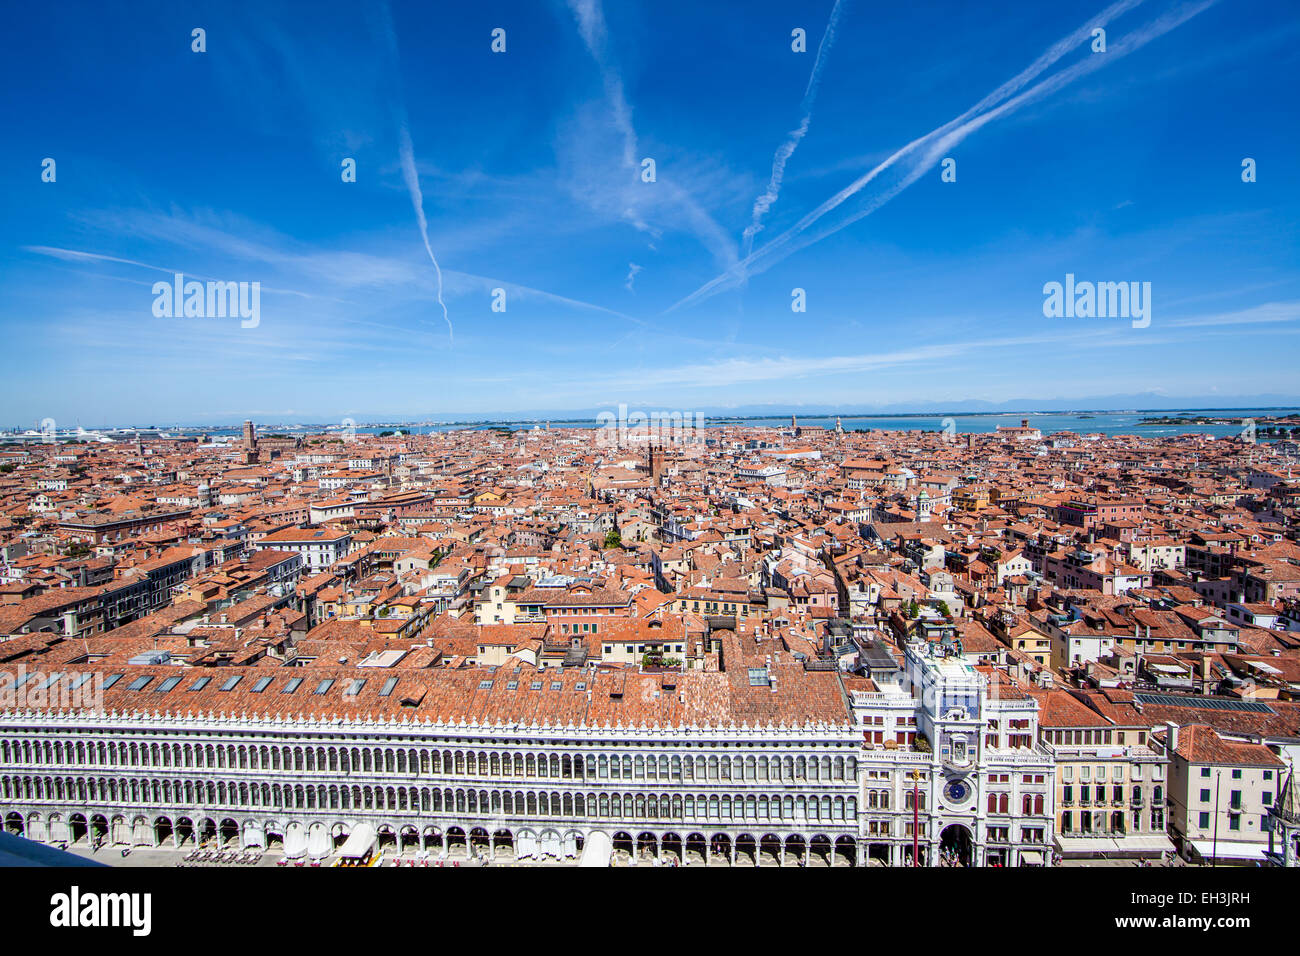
[250, 443]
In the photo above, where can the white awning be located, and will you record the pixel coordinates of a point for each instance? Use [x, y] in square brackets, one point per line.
[318, 841]
[1229, 850]
[1146, 843]
[295, 842]
[1080, 844]
[1031, 857]
[596, 850]
[361, 839]
[1150, 842]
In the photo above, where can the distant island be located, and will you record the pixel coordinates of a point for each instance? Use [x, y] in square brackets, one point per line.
[1284, 424]
[1189, 420]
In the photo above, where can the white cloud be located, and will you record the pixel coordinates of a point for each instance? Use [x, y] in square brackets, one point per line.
[632, 270]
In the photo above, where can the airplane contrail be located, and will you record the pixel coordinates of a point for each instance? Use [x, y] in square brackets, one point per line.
[591, 27]
[787, 148]
[590, 18]
[406, 153]
[932, 145]
[78, 255]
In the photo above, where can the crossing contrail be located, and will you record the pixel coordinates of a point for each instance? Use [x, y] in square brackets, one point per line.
[922, 153]
[590, 18]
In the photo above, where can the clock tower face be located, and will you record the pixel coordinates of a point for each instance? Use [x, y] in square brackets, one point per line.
[957, 791]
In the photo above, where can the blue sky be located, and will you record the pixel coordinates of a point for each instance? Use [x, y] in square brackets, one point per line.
[1115, 166]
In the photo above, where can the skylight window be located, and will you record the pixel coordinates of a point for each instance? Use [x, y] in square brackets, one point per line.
[140, 683]
[262, 684]
[324, 686]
[231, 682]
[168, 684]
[355, 687]
[201, 683]
[293, 685]
[388, 687]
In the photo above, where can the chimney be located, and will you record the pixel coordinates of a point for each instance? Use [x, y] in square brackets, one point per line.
[1173, 736]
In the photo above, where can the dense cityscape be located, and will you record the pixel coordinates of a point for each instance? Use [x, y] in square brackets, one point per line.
[653, 644]
[789, 440]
